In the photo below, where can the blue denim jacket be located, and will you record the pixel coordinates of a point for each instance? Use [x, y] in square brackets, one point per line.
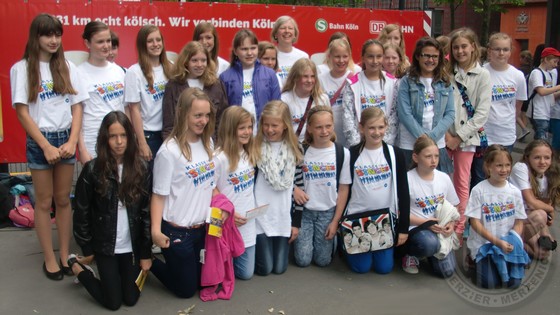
[410, 103]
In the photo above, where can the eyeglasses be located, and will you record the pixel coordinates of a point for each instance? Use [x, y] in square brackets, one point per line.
[504, 50]
[427, 56]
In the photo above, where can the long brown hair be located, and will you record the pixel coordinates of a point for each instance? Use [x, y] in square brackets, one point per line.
[131, 187]
[144, 56]
[440, 72]
[46, 25]
[469, 35]
[202, 28]
[181, 72]
[179, 131]
[552, 174]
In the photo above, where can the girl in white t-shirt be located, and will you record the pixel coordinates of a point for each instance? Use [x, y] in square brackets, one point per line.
[182, 191]
[279, 153]
[509, 90]
[302, 85]
[104, 82]
[285, 33]
[325, 195]
[369, 88]
[538, 178]
[48, 106]
[375, 179]
[207, 35]
[340, 67]
[235, 160]
[428, 188]
[496, 212]
[144, 88]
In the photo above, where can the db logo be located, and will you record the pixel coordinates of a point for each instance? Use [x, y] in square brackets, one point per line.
[321, 25]
[376, 26]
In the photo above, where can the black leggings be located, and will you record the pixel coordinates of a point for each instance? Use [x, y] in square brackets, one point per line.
[116, 283]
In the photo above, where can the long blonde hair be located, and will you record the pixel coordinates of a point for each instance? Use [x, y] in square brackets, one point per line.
[179, 131]
[469, 35]
[340, 43]
[296, 72]
[279, 110]
[228, 143]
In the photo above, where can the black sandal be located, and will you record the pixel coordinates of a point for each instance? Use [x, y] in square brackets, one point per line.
[546, 243]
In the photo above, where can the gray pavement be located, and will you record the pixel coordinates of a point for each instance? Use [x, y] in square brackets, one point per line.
[313, 290]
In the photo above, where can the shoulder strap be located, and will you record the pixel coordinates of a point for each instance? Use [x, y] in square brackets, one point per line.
[535, 91]
[336, 94]
[355, 151]
[304, 117]
[390, 151]
[339, 149]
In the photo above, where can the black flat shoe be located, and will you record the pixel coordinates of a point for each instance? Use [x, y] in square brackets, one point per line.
[57, 276]
[66, 270]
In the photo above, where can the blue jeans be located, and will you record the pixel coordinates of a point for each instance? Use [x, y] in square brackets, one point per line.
[36, 157]
[541, 127]
[488, 277]
[244, 265]
[180, 272]
[154, 140]
[555, 131]
[425, 243]
[381, 261]
[311, 243]
[271, 254]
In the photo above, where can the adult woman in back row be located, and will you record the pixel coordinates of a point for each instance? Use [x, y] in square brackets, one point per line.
[285, 33]
[104, 82]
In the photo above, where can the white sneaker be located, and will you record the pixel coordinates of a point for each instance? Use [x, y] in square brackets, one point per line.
[156, 249]
[410, 264]
[524, 133]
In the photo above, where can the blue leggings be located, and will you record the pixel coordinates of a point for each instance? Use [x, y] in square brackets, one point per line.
[382, 261]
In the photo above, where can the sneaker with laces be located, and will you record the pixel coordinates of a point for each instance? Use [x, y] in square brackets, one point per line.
[410, 264]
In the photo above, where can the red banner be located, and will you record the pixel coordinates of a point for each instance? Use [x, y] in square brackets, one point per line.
[177, 21]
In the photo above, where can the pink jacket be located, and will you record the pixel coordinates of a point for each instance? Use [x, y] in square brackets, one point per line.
[220, 250]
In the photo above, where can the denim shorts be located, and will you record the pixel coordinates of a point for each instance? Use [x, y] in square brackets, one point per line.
[35, 156]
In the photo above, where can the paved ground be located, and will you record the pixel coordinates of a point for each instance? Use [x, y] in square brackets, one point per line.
[332, 290]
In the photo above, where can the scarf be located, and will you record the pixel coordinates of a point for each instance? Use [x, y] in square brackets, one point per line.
[279, 167]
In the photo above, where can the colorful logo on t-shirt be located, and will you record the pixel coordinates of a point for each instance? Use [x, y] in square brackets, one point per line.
[318, 170]
[372, 101]
[242, 181]
[283, 72]
[200, 172]
[296, 119]
[247, 89]
[497, 211]
[157, 91]
[46, 90]
[109, 90]
[502, 92]
[428, 99]
[429, 204]
[372, 173]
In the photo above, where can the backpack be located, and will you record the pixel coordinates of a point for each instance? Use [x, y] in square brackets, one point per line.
[23, 215]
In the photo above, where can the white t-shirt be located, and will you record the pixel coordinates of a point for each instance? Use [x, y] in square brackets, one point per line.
[136, 91]
[123, 242]
[371, 94]
[297, 107]
[541, 104]
[520, 178]
[372, 187]
[277, 220]
[330, 85]
[323, 68]
[195, 83]
[238, 186]
[319, 176]
[426, 195]
[406, 139]
[247, 98]
[508, 86]
[222, 66]
[555, 110]
[287, 60]
[497, 208]
[105, 86]
[187, 185]
[51, 111]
